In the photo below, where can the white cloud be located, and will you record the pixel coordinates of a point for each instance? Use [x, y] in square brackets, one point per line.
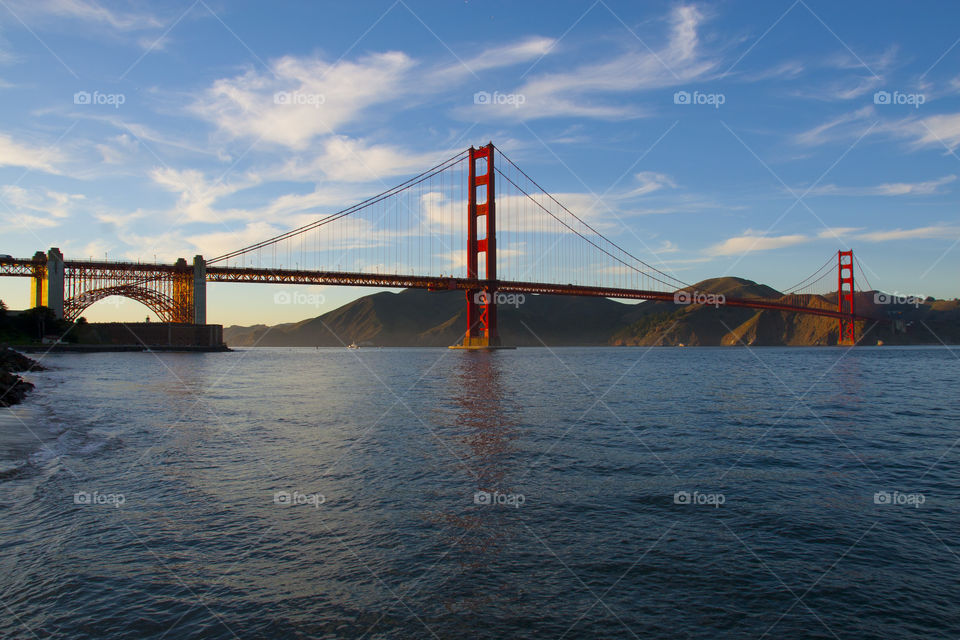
[783, 71]
[573, 93]
[918, 233]
[198, 195]
[321, 97]
[504, 56]
[666, 247]
[150, 43]
[850, 89]
[317, 98]
[650, 181]
[940, 130]
[15, 154]
[878, 63]
[90, 11]
[343, 159]
[747, 243]
[887, 189]
[841, 127]
[120, 150]
[39, 208]
[837, 232]
[220, 242]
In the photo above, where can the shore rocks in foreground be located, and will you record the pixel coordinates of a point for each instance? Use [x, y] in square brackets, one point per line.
[13, 388]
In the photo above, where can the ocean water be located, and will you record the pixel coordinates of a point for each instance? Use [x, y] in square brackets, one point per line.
[429, 493]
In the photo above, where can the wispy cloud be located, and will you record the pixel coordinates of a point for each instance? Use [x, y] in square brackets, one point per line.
[842, 127]
[580, 91]
[887, 189]
[301, 99]
[918, 233]
[750, 242]
[940, 130]
[39, 208]
[650, 181]
[89, 11]
[18, 154]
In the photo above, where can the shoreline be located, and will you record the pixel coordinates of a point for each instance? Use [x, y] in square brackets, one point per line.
[110, 348]
[13, 388]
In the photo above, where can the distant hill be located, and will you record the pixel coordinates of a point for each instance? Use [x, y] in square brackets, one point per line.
[415, 317]
[436, 319]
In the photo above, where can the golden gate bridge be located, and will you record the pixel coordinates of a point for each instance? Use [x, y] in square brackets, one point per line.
[475, 223]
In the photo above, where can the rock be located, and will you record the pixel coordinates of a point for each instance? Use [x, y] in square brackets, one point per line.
[11, 360]
[13, 389]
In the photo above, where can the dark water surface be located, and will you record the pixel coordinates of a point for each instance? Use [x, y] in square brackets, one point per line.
[333, 494]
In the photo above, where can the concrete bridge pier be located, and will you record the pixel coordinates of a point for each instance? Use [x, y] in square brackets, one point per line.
[46, 287]
[199, 290]
[55, 282]
[38, 282]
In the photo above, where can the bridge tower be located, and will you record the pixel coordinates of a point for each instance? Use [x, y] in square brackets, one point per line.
[38, 280]
[199, 290]
[845, 298]
[182, 289]
[482, 329]
[47, 284]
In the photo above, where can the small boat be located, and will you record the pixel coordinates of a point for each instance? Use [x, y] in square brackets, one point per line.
[352, 345]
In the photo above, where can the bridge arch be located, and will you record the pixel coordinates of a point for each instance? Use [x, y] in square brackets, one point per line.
[161, 304]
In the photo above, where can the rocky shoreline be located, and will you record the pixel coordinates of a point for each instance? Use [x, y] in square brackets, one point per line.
[13, 388]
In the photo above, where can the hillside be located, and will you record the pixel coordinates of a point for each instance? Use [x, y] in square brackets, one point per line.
[436, 319]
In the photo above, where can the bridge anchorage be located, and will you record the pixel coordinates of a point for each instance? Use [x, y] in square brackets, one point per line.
[475, 223]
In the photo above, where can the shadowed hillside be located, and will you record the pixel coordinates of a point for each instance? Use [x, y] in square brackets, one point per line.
[437, 319]
[433, 319]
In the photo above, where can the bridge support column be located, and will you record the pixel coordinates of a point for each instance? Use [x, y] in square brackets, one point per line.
[38, 281]
[482, 331]
[848, 332]
[199, 290]
[182, 292]
[55, 282]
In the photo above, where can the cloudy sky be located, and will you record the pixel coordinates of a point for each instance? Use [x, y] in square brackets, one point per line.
[743, 138]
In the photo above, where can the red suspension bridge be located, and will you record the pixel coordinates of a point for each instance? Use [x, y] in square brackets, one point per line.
[474, 223]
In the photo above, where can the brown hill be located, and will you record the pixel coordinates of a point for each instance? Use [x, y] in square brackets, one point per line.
[434, 319]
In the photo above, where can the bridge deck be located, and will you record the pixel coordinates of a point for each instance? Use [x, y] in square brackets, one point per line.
[28, 268]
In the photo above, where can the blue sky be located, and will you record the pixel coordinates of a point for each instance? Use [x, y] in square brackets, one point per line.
[742, 138]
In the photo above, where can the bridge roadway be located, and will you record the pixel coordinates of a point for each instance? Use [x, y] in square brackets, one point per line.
[214, 273]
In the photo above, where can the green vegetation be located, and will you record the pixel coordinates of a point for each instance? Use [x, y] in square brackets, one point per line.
[648, 322]
[30, 326]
